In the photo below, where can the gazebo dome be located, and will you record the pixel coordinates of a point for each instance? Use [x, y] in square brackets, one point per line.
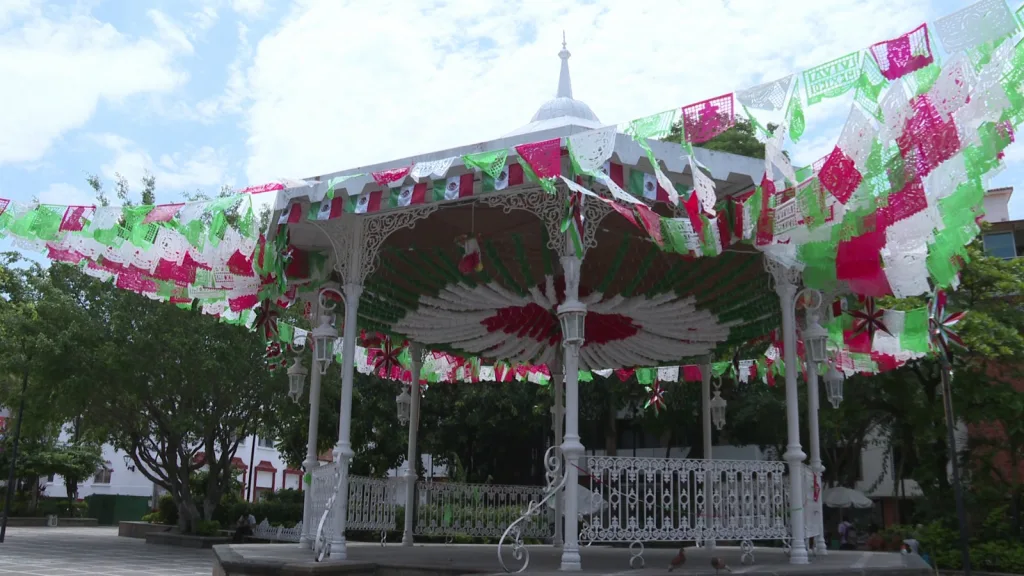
[563, 109]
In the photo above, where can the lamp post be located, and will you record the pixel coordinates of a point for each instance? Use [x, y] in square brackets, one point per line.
[409, 411]
[404, 404]
[718, 405]
[324, 336]
[946, 369]
[834, 385]
[815, 341]
[296, 380]
[9, 489]
[572, 315]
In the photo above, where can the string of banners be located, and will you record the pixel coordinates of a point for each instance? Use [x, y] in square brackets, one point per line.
[888, 211]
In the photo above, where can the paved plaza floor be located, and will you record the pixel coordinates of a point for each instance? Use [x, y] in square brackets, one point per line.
[94, 551]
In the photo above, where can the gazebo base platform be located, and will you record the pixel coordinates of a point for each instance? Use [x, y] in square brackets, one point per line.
[452, 560]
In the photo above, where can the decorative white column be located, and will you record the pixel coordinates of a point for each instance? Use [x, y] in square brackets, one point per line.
[416, 351]
[705, 392]
[786, 280]
[343, 451]
[820, 546]
[309, 523]
[557, 424]
[571, 313]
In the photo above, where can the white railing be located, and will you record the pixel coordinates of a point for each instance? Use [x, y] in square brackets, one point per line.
[371, 501]
[478, 510]
[322, 487]
[678, 500]
[265, 531]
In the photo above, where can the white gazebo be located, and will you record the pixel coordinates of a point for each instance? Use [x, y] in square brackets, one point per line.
[539, 291]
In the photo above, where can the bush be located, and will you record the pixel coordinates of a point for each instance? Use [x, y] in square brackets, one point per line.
[167, 509]
[285, 496]
[153, 518]
[207, 528]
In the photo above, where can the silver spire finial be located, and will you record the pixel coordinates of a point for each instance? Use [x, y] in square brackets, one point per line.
[564, 85]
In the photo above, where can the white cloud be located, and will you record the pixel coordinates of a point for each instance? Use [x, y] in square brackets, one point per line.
[66, 194]
[170, 32]
[249, 8]
[236, 89]
[62, 68]
[203, 168]
[204, 18]
[398, 80]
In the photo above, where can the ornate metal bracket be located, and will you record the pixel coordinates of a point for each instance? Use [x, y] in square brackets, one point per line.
[322, 544]
[546, 207]
[555, 474]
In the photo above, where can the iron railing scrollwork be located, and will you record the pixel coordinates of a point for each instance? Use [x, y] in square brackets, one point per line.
[554, 471]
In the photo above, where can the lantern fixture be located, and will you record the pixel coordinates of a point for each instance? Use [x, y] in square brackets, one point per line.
[834, 385]
[296, 380]
[718, 405]
[404, 404]
[815, 339]
[323, 342]
[572, 314]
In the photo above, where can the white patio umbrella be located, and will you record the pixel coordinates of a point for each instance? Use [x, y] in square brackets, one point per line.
[589, 502]
[842, 497]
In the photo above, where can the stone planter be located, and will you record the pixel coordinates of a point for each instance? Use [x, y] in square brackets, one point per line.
[185, 540]
[140, 529]
[45, 522]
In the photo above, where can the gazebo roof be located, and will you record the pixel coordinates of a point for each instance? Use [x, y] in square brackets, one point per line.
[560, 117]
[646, 306]
[562, 110]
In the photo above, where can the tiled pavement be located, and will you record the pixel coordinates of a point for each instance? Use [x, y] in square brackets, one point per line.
[94, 551]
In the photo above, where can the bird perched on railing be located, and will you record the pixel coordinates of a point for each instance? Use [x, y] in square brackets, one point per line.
[719, 564]
[678, 561]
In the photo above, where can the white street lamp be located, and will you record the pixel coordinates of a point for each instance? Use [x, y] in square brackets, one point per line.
[815, 338]
[572, 315]
[404, 403]
[834, 385]
[323, 342]
[296, 380]
[718, 405]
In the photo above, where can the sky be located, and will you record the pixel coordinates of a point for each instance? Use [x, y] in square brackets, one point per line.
[205, 93]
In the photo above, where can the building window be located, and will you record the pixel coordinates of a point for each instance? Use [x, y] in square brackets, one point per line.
[1000, 245]
[266, 442]
[49, 479]
[103, 474]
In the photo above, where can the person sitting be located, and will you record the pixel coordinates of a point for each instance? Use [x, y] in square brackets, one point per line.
[243, 528]
[847, 536]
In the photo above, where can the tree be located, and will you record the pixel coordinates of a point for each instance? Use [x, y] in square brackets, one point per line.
[174, 388]
[909, 399]
[740, 138]
[484, 432]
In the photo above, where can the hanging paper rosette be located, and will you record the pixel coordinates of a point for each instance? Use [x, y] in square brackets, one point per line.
[656, 397]
[869, 319]
[266, 319]
[383, 355]
[941, 324]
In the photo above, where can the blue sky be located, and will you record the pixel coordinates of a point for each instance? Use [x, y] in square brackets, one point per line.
[205, 93]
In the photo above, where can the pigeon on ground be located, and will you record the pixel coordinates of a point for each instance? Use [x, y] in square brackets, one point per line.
[719, 564]
[678, 561]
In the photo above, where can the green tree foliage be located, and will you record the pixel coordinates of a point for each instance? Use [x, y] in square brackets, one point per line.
[486, 432]
[740, 139]
[379, 442]
[172, 387]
